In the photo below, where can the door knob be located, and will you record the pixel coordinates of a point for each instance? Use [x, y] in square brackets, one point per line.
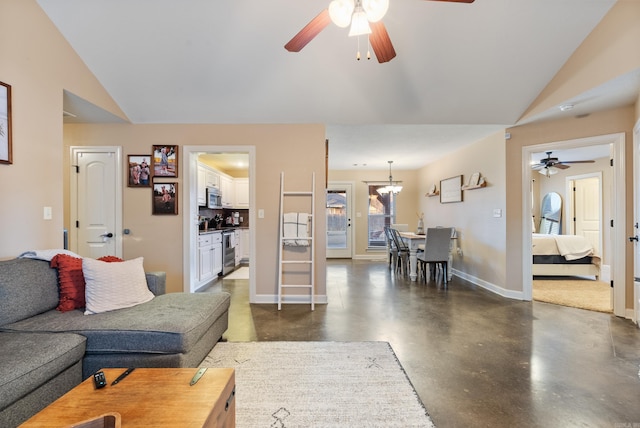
[633, 238]
[107, 235]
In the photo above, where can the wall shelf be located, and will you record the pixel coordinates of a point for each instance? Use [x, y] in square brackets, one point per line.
[436, 193]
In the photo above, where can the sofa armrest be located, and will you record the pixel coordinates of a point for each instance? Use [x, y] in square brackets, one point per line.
[157, 282]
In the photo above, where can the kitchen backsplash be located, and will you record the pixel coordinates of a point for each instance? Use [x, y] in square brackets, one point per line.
[207, 213]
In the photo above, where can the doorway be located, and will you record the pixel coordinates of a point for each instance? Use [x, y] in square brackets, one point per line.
[190, 208]
[616, 202]
[339, 220]
[96, 201]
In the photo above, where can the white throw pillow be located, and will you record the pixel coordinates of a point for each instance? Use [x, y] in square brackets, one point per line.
[111, 286]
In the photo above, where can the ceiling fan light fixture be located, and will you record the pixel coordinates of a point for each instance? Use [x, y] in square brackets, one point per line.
[548, 171]
[340, 12]
[359, 23]
[375, 9]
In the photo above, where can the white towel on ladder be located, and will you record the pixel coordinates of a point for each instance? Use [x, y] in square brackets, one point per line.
[295, 226]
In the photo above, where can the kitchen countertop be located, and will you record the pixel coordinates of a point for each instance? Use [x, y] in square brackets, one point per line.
[222, 229]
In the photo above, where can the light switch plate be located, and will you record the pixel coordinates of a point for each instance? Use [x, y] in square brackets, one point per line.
[497, 212]
[47, 214]
[260, 213]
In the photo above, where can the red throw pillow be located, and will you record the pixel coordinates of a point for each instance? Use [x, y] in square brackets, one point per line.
[110, 259]
[70, 282]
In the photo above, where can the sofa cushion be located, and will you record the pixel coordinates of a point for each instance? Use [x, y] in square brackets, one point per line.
[170, 323]
[28, 360]
[27, 287]
[111, 286]
[70, 282]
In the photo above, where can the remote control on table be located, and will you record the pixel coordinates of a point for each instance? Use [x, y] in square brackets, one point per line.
[99, 380]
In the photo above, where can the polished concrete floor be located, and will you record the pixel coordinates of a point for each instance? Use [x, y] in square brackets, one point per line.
[475, 359]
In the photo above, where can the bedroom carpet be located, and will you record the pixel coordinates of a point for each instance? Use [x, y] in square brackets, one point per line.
[583, 294]
[319, 384]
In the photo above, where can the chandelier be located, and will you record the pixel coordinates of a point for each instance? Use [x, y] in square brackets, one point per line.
[390, 188]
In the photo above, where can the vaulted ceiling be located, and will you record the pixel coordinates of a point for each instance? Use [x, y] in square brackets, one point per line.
[462, 71]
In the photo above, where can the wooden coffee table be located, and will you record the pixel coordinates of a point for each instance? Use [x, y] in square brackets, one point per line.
[148, 397]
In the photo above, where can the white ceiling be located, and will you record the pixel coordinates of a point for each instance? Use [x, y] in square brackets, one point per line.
[462, 71]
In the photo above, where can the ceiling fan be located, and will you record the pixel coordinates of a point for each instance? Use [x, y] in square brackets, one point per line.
[549, 166]
[365, 13]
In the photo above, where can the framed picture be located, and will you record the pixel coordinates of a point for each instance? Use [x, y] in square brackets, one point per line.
[164, 161]
[451, 190]
[165, 198]
[139, 171]
[5, 123]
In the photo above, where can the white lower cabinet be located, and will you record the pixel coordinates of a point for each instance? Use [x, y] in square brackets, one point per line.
[209, 256]
[246, 244]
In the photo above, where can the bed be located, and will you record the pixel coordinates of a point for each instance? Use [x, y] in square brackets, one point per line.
[564, 255]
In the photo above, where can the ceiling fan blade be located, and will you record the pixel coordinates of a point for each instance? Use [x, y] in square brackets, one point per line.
[560, 166]
[309, 31]
[380, 42]
[537, 166]
[457, 1]
[582, 161]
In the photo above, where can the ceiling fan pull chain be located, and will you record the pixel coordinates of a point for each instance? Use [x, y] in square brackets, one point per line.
[358, 54]
[368, 49]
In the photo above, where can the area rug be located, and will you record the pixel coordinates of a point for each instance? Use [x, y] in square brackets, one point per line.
[319, 384]
[242, 273]
[583, 294]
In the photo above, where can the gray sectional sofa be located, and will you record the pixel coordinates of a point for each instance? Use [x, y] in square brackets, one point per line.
[44, 352]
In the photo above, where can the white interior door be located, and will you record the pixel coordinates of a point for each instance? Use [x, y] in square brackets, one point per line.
[96, 214]
[339, 220]
[636, 230]
[587, 210]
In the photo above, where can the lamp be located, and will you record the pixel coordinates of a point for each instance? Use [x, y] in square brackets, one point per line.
[548, 171]
[390, 188]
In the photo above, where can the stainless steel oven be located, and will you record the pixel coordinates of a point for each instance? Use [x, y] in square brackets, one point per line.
[228, 251]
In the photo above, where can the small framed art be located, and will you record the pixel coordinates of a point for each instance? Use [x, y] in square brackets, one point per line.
[451, 190]
[164, 161]
[139, 171]
[165, 198]
[5, 124]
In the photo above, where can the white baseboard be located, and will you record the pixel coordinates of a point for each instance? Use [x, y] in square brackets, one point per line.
[510, 294]
[273, 299]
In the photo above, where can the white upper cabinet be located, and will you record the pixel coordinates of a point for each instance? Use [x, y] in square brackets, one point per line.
[241, 193]
[226, 191]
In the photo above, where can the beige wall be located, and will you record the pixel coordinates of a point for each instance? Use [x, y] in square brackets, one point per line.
[406, 202]
[38, 64]
[481, 236]
[278, 148]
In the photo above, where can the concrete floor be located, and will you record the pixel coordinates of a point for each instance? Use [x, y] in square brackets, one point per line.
[476, 359]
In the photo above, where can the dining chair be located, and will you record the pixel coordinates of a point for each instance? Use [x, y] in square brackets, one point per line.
[436, 252]
[402, 260]
[391, 246]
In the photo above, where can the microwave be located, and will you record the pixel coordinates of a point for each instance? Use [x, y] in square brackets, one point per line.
[214, 199]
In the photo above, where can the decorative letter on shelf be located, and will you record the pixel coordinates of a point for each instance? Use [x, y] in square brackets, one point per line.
[475, 182]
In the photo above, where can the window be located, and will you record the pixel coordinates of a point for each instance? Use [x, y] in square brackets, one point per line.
[381, 214]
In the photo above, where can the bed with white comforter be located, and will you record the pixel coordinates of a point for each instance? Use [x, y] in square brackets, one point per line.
[564, 255]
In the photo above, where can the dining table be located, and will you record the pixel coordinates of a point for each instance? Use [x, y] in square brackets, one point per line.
[413, 241]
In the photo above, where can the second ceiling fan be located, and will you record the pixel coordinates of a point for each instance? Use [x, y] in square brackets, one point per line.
[364, 16]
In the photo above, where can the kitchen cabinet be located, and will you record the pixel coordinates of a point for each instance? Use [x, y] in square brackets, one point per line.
[238, 245]
[202, 186]
[241, 193]
[209, 256]
[226, 190]
[207, 177]
[245, 244]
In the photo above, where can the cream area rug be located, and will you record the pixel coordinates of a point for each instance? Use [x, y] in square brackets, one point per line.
[242, 273]
[583, 294]
[319, 384]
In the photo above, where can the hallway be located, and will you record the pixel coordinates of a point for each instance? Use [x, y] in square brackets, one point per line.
[476, 359]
